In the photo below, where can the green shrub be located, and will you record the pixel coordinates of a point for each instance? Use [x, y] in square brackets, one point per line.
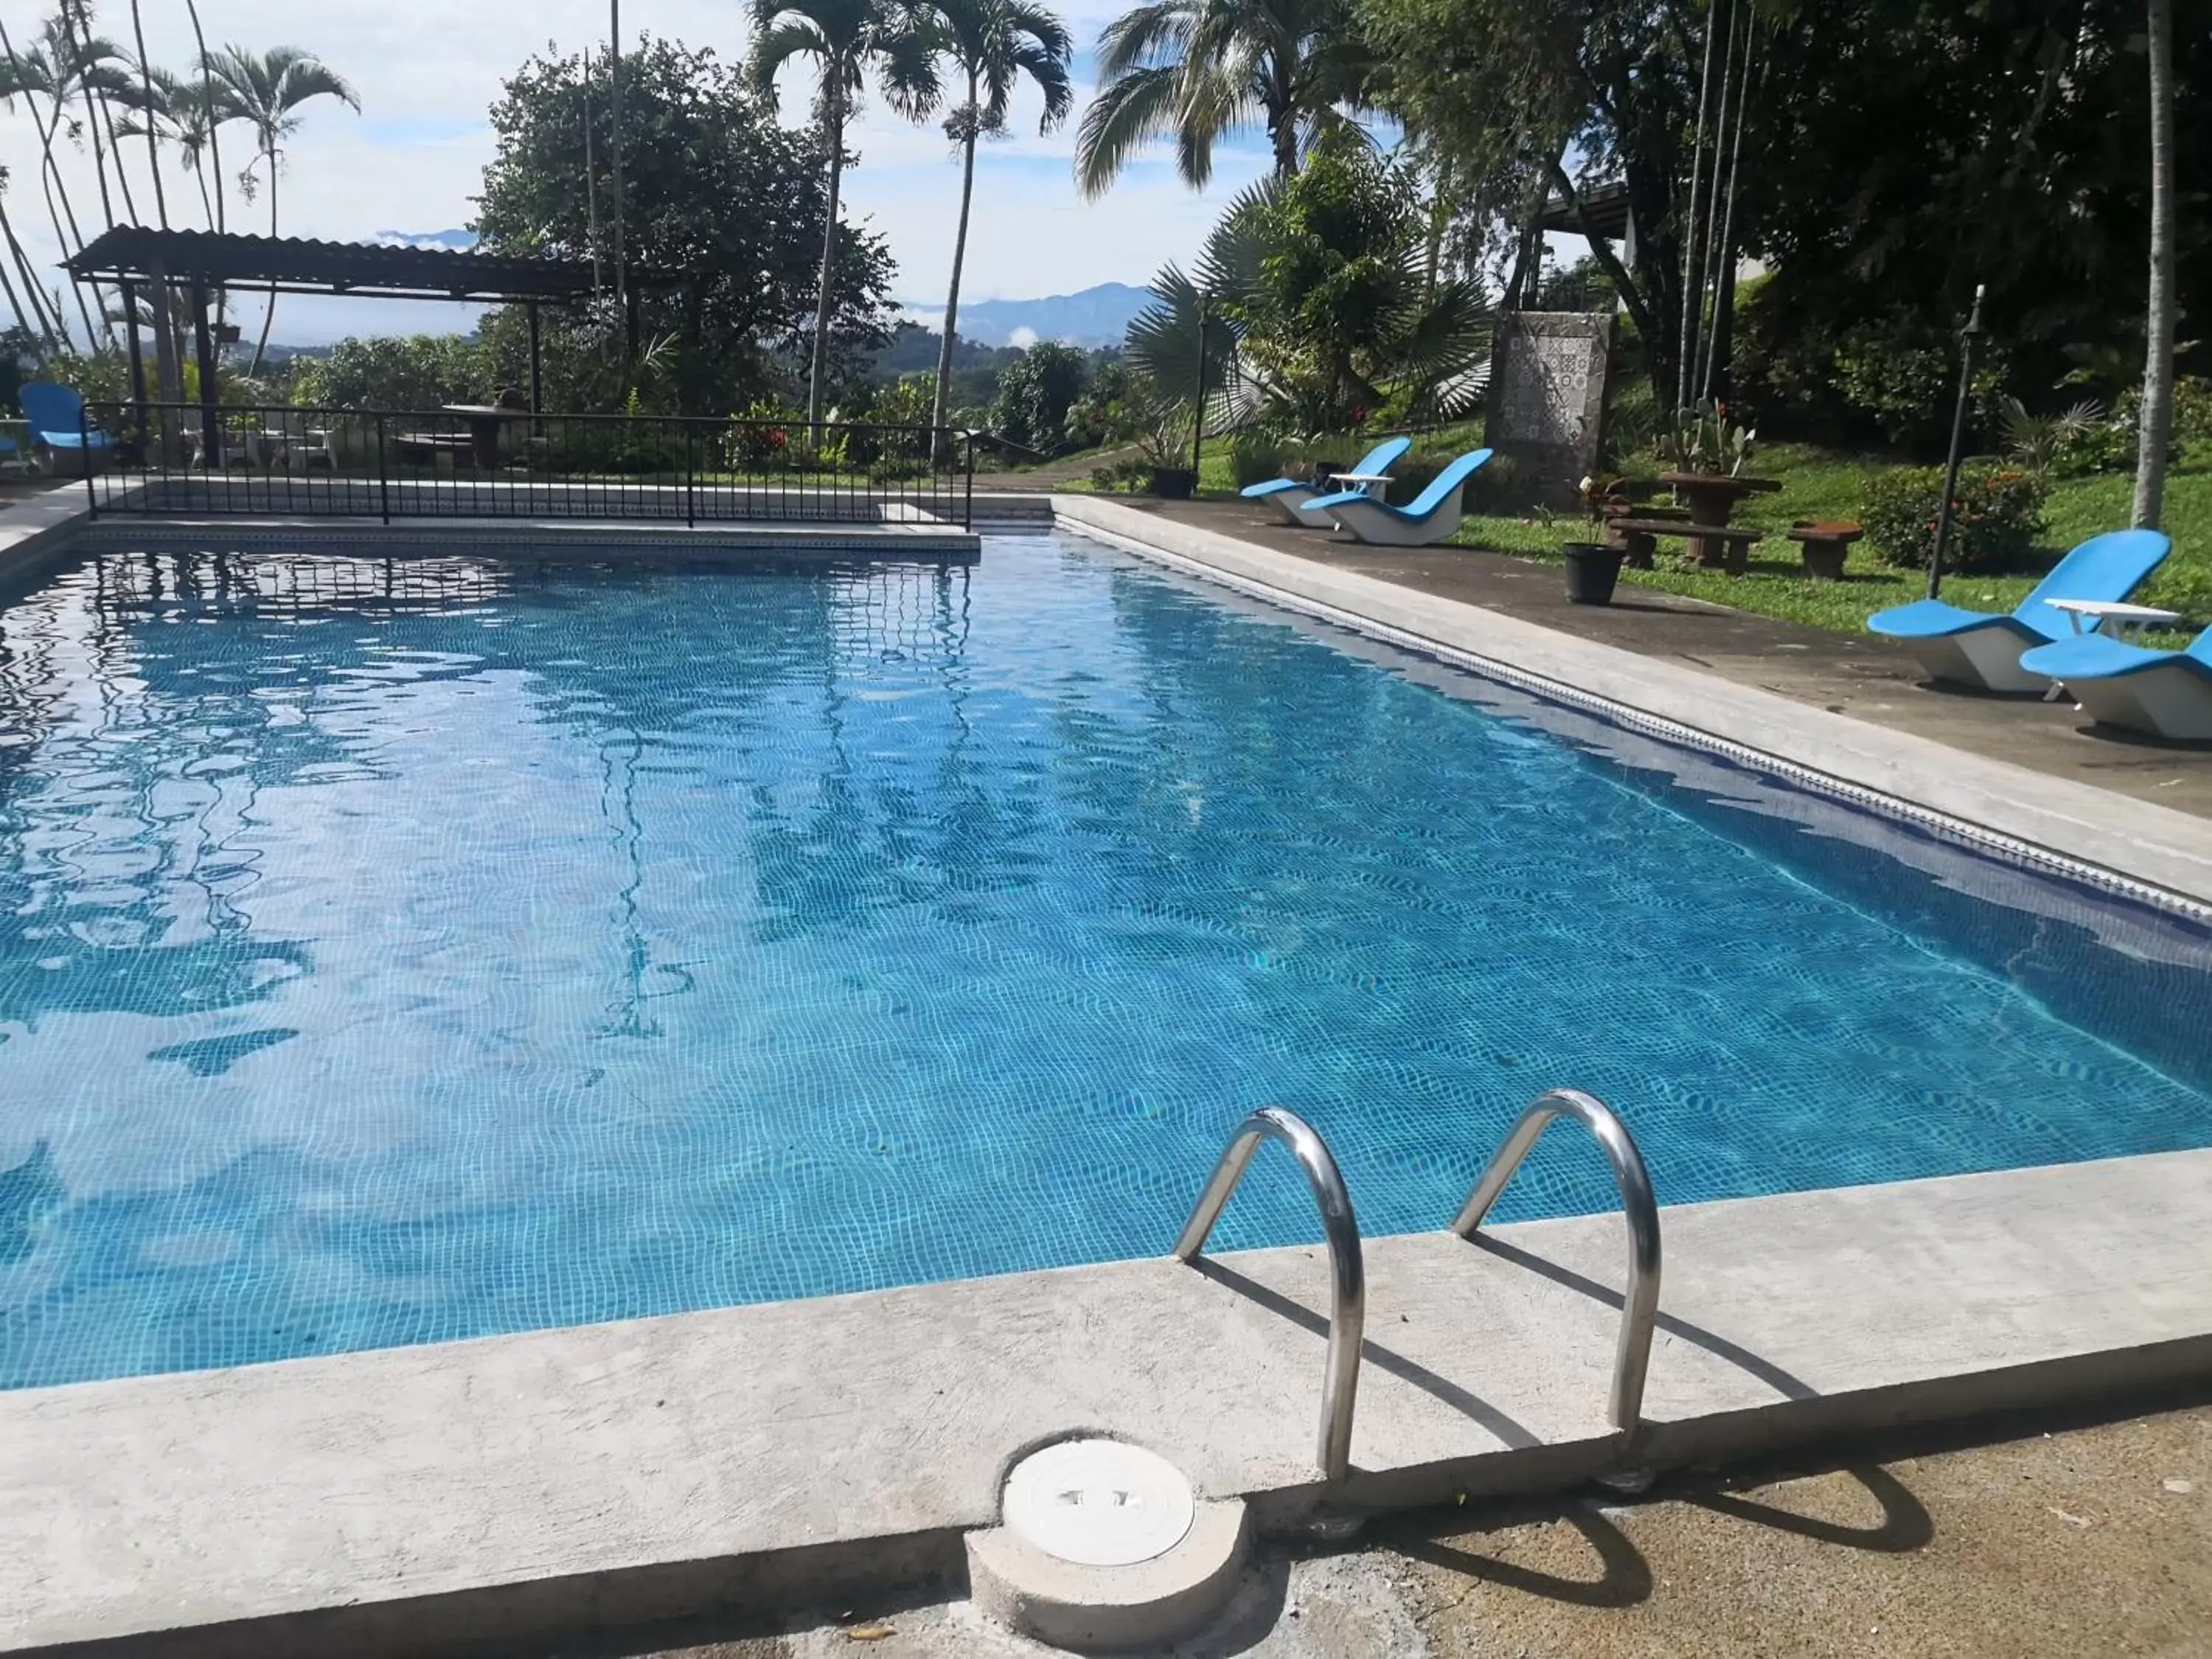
[1254, 457]
[2192, 408]
[1995, 516]
[2183, 587]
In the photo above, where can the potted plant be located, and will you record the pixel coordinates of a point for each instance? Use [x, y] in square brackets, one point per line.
[1163, 444]
[1592, 569]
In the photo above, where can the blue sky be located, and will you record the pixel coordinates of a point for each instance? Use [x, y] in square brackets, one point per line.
[428, 69]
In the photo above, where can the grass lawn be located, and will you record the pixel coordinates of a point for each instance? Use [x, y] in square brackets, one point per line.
[1818, 484]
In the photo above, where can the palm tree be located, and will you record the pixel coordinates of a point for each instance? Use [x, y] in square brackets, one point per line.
[846, 39]
[2155, 421]
[43, 68]
[146, 91]
[1196, 70]
[266, 90]
[993, 43]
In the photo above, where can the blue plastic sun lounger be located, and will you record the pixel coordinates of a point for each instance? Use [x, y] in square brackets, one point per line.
[1290, 498]
[1973, 647]
[56, 414]
[1430, 517]
[2165, 692]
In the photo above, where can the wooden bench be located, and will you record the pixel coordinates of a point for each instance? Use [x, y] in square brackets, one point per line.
[1636, 539]
[1827, 542]
[423, 449]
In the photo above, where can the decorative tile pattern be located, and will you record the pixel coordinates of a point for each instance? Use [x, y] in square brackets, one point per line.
[458, 947]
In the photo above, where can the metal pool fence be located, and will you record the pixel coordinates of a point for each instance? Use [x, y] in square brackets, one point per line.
[164, 460]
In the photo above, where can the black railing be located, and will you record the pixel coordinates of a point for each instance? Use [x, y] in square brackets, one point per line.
[180, 460]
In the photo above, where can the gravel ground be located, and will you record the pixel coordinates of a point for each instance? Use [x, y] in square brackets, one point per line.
[2074, 1541]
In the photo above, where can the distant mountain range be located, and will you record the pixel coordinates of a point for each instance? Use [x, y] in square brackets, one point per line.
[1097, 316]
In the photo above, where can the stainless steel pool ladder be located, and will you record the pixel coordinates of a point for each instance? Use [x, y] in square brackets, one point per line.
[1640, 1309]
[1347, 1318]
[1347, 1314]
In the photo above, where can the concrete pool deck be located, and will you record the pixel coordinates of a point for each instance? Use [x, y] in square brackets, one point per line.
[516, 1488]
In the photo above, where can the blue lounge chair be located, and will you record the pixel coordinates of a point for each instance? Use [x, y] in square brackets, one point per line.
[56, 414]
[1429, 518]
[1290, 498]
[2168, 692]
[1973, 647]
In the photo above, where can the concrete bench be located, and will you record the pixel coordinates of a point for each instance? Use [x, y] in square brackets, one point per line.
[1636, 539]
[1827, 542]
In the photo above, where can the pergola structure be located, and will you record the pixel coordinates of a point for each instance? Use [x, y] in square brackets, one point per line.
[197, 263]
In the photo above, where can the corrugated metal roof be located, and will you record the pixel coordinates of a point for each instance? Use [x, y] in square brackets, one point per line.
[136, 252]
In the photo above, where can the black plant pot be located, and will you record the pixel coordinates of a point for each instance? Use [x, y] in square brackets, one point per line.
[1174, 484]
[1321, 475]
[1591, 572]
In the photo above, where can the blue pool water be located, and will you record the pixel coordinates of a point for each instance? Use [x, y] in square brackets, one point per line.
[394, 953]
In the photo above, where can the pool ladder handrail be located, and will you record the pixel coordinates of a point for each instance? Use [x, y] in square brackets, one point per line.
[1348, 1316]
[1640, 1309]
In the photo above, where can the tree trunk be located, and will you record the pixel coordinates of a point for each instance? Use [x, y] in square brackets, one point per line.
[1631, 293]
[215, 148]
[69, 21]
[834, 126]
[270, 315]
[50, 325]
[937, 406]
[2155, 422]
[49, 176]
[152, 149]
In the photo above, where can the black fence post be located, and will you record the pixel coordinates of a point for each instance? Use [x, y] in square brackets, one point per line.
[968, 501]
[383, 471]
[690, 483]
[84, 454]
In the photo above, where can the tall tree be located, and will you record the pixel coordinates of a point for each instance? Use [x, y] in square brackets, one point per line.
[1196, 70]
[266, 90]
[2155, 424]
[993, 43]
[846, 39]
[714, 188]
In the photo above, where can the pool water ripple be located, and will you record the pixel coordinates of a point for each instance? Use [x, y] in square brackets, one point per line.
[393, 953]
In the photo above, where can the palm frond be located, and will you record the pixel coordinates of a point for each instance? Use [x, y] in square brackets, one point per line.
[1129, 113]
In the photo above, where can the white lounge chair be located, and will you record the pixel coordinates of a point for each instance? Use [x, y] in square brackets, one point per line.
[1974, 648]
[2165, 692]
[1428, 518]
[1292, 498]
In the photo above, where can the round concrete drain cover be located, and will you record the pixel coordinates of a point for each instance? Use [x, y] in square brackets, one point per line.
[1098, 1502]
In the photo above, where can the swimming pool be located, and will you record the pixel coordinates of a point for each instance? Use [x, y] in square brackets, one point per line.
[402, 951]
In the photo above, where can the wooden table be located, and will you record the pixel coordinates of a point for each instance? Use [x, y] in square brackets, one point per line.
[1711, 497]
[485, 422]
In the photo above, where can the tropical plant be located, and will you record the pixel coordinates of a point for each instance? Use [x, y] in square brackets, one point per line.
[1702, 439]
[992, 44]
[1320, 308]
[266, 91]
[2036, 443]
[1996, 513]
[846, 39]
[1196, 70]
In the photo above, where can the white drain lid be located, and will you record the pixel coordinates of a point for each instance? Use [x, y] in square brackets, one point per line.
[1098, 1502]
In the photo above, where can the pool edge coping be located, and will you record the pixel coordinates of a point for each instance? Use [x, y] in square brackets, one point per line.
[2058, 826]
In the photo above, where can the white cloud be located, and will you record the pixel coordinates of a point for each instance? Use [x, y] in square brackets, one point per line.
[426, 71]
